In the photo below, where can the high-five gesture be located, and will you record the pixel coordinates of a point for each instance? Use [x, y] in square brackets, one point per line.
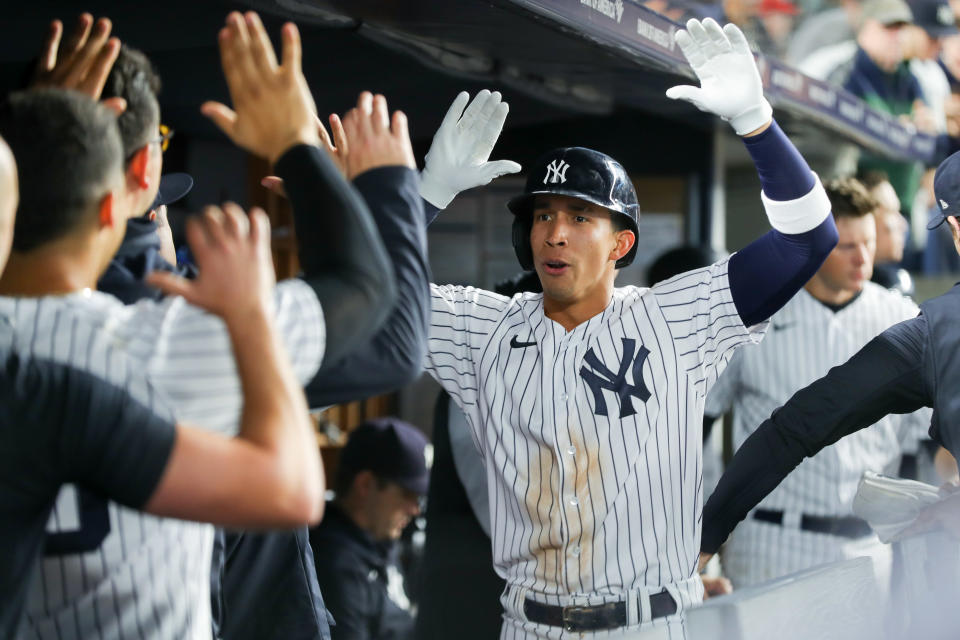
[458, 157]
[272, 106]
[336, 148]
[375, 138]
[234, 261]
[730, 84]
[84, 61]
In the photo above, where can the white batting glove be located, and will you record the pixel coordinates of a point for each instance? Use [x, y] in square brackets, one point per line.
[458, 155]
[730, 84]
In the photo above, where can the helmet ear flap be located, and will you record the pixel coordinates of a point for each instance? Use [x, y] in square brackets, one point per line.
[521, 241]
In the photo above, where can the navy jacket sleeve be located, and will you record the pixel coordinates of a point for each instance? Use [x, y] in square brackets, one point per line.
[392, 358]
[342, 256]
[887, 376]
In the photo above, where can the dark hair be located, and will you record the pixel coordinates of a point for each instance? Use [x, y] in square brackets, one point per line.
[873, 178]
[134, 79]
[679, 260]
[849, 198]
[521, 282]
[68, 154]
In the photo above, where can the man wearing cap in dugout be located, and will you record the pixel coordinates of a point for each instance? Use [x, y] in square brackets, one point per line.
[382, 476]
[913, 364]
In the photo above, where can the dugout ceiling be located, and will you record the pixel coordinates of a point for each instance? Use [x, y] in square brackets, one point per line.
[593, 67]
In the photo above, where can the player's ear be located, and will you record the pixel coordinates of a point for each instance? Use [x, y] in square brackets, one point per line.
[109, 213]
[363, 483]
[625, 241]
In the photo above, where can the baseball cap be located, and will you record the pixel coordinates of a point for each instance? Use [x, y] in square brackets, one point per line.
[934, 16]
[392, 450]
[946, 190]
[778, 6]
[887, 12]
[173, 186]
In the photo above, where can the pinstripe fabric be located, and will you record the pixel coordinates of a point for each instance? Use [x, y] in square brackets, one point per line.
[150, 577]
[805, 340]
[593, 471]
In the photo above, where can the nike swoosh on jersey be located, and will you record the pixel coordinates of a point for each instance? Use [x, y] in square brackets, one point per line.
[783, 327]
[520, 345]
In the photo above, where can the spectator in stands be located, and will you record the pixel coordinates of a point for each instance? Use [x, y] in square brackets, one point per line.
[778, 18]
[824, 29]
[933, 21]
[382, 476]
[874, 68]
[891, 234]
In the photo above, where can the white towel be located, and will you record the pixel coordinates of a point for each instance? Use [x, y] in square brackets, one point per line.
[890, 505]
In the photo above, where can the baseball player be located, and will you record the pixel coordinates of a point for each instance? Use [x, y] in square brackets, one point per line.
[112, 583]
[911, 365]
[61, 424]
[587, 400]
[807, 520]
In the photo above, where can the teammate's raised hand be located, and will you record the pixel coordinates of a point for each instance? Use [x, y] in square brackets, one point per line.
[233, 257]
[374, 138]
[730, 84]
[272, 106]
[84, 61]
[335, 147]
[458, 157]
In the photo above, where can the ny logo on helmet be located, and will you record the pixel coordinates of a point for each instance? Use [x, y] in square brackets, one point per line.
[556, 172]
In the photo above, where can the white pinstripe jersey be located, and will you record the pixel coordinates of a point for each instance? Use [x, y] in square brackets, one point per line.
[143, 576]
[592, 437]
[805, 340]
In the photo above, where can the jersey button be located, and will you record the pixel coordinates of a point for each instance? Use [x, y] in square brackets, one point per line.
[571, 449]
[574, 502]
[563, 397]
[575, 551]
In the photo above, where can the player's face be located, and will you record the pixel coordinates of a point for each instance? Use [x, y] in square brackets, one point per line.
[850, 264]
[391, 508]
[575, 247]
[891, 226]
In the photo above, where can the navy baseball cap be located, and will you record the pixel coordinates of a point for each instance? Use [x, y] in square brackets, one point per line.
[392, 450]
[934, 16]
[173, 186]
[946, 190]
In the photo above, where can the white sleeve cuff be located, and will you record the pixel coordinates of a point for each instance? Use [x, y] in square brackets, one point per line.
[800, 215]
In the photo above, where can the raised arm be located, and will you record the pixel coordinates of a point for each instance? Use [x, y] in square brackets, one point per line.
[342, 255]
[769, 271]
[271, 473]
[886, 376]
[381, 167]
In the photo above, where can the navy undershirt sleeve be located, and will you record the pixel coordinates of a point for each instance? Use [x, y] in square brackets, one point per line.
[765, 274]
[341, 253]
[393, 357]
[884, 377]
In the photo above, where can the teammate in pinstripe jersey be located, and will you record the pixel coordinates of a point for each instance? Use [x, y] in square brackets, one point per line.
[836, 314]
[141, 576]
[587, 400]
[60, 424]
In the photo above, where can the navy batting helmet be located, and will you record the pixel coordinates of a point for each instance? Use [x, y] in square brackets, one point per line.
[579, 173]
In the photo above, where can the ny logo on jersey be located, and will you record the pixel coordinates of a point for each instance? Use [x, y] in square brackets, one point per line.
[556, 172]
[602, 378]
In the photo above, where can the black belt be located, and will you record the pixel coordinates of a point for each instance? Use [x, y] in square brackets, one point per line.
[596, 617]
[845, 527]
